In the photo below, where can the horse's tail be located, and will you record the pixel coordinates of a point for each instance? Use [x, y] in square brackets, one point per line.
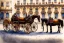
[61, 23]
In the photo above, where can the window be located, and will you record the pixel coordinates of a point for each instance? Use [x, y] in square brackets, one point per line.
[43, 8]
[36, 1]
[56, 8]
[62, 15]
[56, 16]
[18, 2]
[2, 4]
[24, 8]
[24, 12]
[43, 1]
[7, 4]
[30, 9]
[31, 1]
[17, 8]
[49, 1]
[1, 15]
[24, 1]
[61, 1]
[63, 8]
[43, 16]
[36, 9]
[55, 1]
[7, 15]
[49, 8]
[18, 15]
[49, 15]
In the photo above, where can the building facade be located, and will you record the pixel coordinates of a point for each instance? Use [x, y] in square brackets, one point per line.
[44, 8]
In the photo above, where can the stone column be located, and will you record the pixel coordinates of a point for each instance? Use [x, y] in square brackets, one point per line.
[4, 15]
[10, 15]
[46, 14]
[59, 14]
[39, 10]
[52, 14]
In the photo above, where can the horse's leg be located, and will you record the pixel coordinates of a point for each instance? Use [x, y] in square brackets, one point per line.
[43, 27]
[38, 19]
[50, 29]
[6, 28]
[9, 27]
[47, 29]
[58, 29]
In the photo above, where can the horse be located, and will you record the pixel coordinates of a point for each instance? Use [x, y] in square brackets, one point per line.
[6, 24]
[52, 22]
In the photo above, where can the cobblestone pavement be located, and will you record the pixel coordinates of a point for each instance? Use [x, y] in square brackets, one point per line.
[34, 37]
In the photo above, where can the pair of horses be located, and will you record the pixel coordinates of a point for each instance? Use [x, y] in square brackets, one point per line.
[24, 22]
[52, 22]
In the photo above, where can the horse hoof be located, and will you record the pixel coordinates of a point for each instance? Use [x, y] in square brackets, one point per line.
[58, 31]
[50, 32]
[46, 32]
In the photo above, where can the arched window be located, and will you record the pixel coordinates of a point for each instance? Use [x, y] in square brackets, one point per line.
[49, 8]
[49, 1]
[61, 1]
[62, 15]
[49, 15]
[43, 8]
[18, 2]
[43, 16]
[7, 15]
[31, 1]
[55, 1]
[7, 4]
[2, 4]
[56, 8]
[24, 12]
[24, 8]
[36, 9]
[36, 1]
[1, 15]
[24, 1]
[30, 9]
[56, 16]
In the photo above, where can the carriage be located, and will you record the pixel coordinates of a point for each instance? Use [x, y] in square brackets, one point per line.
[27, 23]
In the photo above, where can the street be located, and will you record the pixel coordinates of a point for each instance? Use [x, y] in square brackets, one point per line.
[39, 36]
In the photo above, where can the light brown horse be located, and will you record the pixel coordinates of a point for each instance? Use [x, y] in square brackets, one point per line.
[6, 24]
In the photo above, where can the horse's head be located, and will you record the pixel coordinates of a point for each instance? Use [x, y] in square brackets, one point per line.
[45, 20]
[14, 17]
[36, 16]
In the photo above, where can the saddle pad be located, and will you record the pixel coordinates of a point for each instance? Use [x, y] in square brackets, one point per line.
[22, 18]
[51, 21]
[55, 20]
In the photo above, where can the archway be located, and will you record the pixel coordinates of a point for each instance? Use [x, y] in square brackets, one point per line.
[62, 15]
[1, 15]
[7, 15]
[56, 15]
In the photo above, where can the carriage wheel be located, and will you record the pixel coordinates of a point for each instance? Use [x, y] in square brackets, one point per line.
[6, 27]
[15, 27]
[34, 27]
[27, 28]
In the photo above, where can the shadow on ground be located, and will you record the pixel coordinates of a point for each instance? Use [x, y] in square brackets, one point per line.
[11, 40]
[23, 33]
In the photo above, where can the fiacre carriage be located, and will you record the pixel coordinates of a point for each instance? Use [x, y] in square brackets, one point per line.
[27, 23]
